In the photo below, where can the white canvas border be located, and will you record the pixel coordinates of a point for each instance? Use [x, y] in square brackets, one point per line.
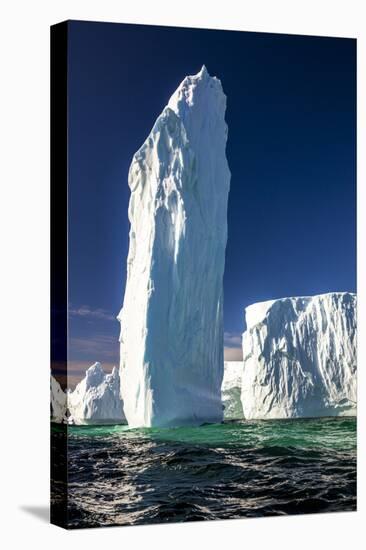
[25, 268]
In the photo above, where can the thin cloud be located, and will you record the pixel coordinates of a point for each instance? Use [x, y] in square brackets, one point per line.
[232, 340]
[97, 347]
[98, 314]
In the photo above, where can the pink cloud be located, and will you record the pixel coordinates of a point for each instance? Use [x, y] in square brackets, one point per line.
[87, 312]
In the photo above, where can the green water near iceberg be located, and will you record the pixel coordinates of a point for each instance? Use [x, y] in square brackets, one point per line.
[120, 476]
[328, 433]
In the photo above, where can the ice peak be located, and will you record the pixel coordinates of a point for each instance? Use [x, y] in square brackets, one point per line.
[94, 368]
[203, 73]
[197, 89]
[94, 375]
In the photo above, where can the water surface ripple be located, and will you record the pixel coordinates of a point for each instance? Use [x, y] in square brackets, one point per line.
[237, 469]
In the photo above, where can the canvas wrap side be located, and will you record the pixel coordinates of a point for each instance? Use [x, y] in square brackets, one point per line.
[59, 36]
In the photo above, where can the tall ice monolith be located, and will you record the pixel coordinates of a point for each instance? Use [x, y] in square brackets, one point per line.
[172, 316]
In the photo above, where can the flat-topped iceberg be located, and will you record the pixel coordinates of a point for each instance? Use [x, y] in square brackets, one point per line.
[171, 339]
[231, 390]
[97, 398]
[300, 357]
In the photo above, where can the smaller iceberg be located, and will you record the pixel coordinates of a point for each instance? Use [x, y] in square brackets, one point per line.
[97, 398]
[300, 357]
[58, 402]
[231, 390]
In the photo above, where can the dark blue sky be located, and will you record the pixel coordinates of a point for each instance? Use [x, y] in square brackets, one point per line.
[291, 113]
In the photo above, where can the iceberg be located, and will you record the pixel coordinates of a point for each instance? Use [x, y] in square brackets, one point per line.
[171, 339]
[96, 399]
[300, 357]
[231, 390]
[58, 401]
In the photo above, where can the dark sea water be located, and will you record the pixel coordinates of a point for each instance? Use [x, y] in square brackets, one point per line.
[237, 469]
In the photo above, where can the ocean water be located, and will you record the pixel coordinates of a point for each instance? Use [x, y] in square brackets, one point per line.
[118, 476]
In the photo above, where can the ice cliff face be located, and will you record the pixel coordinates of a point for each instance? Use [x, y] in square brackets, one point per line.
[58, 401]
[96, 399]
[300, 357]
[231, 389]
[171, 321]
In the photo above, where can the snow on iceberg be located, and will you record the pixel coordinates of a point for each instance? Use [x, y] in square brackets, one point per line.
[96, 399]
[231, 390]
[58, 401]
[300, 357]
[171, 339]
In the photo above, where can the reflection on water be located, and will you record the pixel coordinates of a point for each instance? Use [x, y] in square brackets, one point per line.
[119, 476]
